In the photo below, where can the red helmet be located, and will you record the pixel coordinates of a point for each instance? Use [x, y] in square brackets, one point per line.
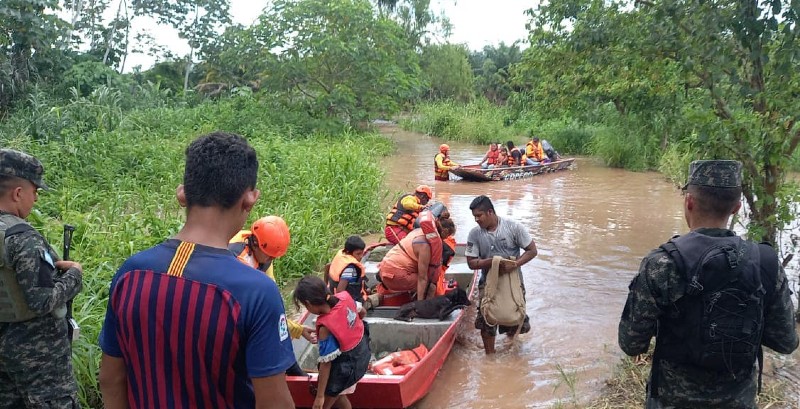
[272, 234]
[426, 190]
[443, 148]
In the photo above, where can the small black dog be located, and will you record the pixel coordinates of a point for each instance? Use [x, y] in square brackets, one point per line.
[436, 307]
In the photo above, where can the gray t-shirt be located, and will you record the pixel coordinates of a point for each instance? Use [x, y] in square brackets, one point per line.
[507, 240]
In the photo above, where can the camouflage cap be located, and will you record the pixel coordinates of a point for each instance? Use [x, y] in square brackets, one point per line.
[715, 173]
[21, 165]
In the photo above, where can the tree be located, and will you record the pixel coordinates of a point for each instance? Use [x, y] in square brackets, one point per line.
[28, 31]
[492, 67]
[726, 68]
[345, 62]
[446, 69]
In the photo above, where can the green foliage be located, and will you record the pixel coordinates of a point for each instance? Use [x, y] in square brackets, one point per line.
[87, 76]
[346, 63]
[117, 185]
[492, 67]
[447, 71]
[690, 73]
[478, 122]
[28, 31]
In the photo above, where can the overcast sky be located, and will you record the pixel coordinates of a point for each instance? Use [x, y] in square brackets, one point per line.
[475, 22]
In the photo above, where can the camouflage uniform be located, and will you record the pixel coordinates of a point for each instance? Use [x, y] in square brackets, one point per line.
[35, 354]
[658, 286]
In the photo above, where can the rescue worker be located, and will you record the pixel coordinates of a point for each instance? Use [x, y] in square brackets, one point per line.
[489, 160]
[711, 300]
[516, 156]
[400, 219]
[346, 273]
[35, 354]
[267, 240]
[413, 265]
[535, 151]
[442, 165]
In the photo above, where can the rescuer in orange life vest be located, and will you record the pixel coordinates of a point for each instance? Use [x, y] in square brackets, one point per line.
[346, 273]
[400, 219]
[442, 165]
[268, 239]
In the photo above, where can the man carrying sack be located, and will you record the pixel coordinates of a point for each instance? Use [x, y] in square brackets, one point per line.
[496, 236]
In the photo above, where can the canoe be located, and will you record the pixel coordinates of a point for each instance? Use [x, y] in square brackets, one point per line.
[475, 173]
[390, 335]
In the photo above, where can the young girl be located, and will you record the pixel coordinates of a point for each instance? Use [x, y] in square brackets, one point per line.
[343, 342]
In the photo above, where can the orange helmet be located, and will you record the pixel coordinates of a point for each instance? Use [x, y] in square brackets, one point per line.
[444, 148]
[272, 234]
[426, 190]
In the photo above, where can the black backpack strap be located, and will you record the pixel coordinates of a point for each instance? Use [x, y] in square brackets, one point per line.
[674, 255]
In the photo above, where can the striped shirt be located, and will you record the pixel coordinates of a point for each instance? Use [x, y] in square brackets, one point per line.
[193, 325]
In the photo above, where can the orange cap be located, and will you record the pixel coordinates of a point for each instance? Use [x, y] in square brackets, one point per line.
[272, 234]
[426, 190]
[444, 148]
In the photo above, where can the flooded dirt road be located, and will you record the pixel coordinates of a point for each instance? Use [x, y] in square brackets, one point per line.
[592, 226]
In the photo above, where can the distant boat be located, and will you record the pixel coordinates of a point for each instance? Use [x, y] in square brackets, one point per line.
[390, 335]
[475, 173]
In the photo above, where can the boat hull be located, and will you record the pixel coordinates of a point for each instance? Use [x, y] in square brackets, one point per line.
[389, 335]
[475, 173]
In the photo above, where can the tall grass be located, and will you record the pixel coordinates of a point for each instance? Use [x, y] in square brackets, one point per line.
[115, 181]
[483, 122]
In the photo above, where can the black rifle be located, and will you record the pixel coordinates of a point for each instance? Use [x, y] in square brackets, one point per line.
[72, 325]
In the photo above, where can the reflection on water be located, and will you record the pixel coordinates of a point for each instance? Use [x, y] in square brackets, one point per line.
[592, 226]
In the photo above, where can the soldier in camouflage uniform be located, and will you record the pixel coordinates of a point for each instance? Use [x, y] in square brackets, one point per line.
[35, 354]
[659, 293]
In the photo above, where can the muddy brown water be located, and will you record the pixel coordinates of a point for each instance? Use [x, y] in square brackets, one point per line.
[592, 225]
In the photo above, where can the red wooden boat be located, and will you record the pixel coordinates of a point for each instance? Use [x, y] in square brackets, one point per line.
[475, 173]
[389, 335]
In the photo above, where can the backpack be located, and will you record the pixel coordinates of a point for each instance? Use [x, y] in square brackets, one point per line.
[503, 301]
[718, 323]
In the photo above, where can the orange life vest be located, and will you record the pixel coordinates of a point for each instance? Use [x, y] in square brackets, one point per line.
[491, 156]
[239, 247]
[399, 267]
[535, 151]
[358, 289]
[441, 174]
[343, 322]
[441, 284]
[400, 362]
[399, 216]
[523, 159]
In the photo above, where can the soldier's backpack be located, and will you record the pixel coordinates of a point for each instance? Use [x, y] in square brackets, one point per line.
[717, 325]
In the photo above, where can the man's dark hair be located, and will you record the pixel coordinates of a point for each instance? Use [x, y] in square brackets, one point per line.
[220, 167]
[715, 201]
[7, 182]
[510, 145]
[354, 243]
[482, 203]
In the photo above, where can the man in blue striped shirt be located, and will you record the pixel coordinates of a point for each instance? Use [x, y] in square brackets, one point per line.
[187, 324]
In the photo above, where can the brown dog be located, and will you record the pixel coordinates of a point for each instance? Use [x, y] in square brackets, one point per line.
[437, 307]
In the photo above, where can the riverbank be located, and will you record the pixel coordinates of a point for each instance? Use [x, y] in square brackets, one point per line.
[115, 181]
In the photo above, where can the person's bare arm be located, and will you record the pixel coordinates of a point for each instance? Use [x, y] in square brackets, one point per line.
[272, 392]
[342, 285]
[528, 255]
[477, 263]
[113, 382]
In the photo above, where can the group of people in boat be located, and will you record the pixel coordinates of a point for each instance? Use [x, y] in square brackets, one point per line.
[535, 152]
